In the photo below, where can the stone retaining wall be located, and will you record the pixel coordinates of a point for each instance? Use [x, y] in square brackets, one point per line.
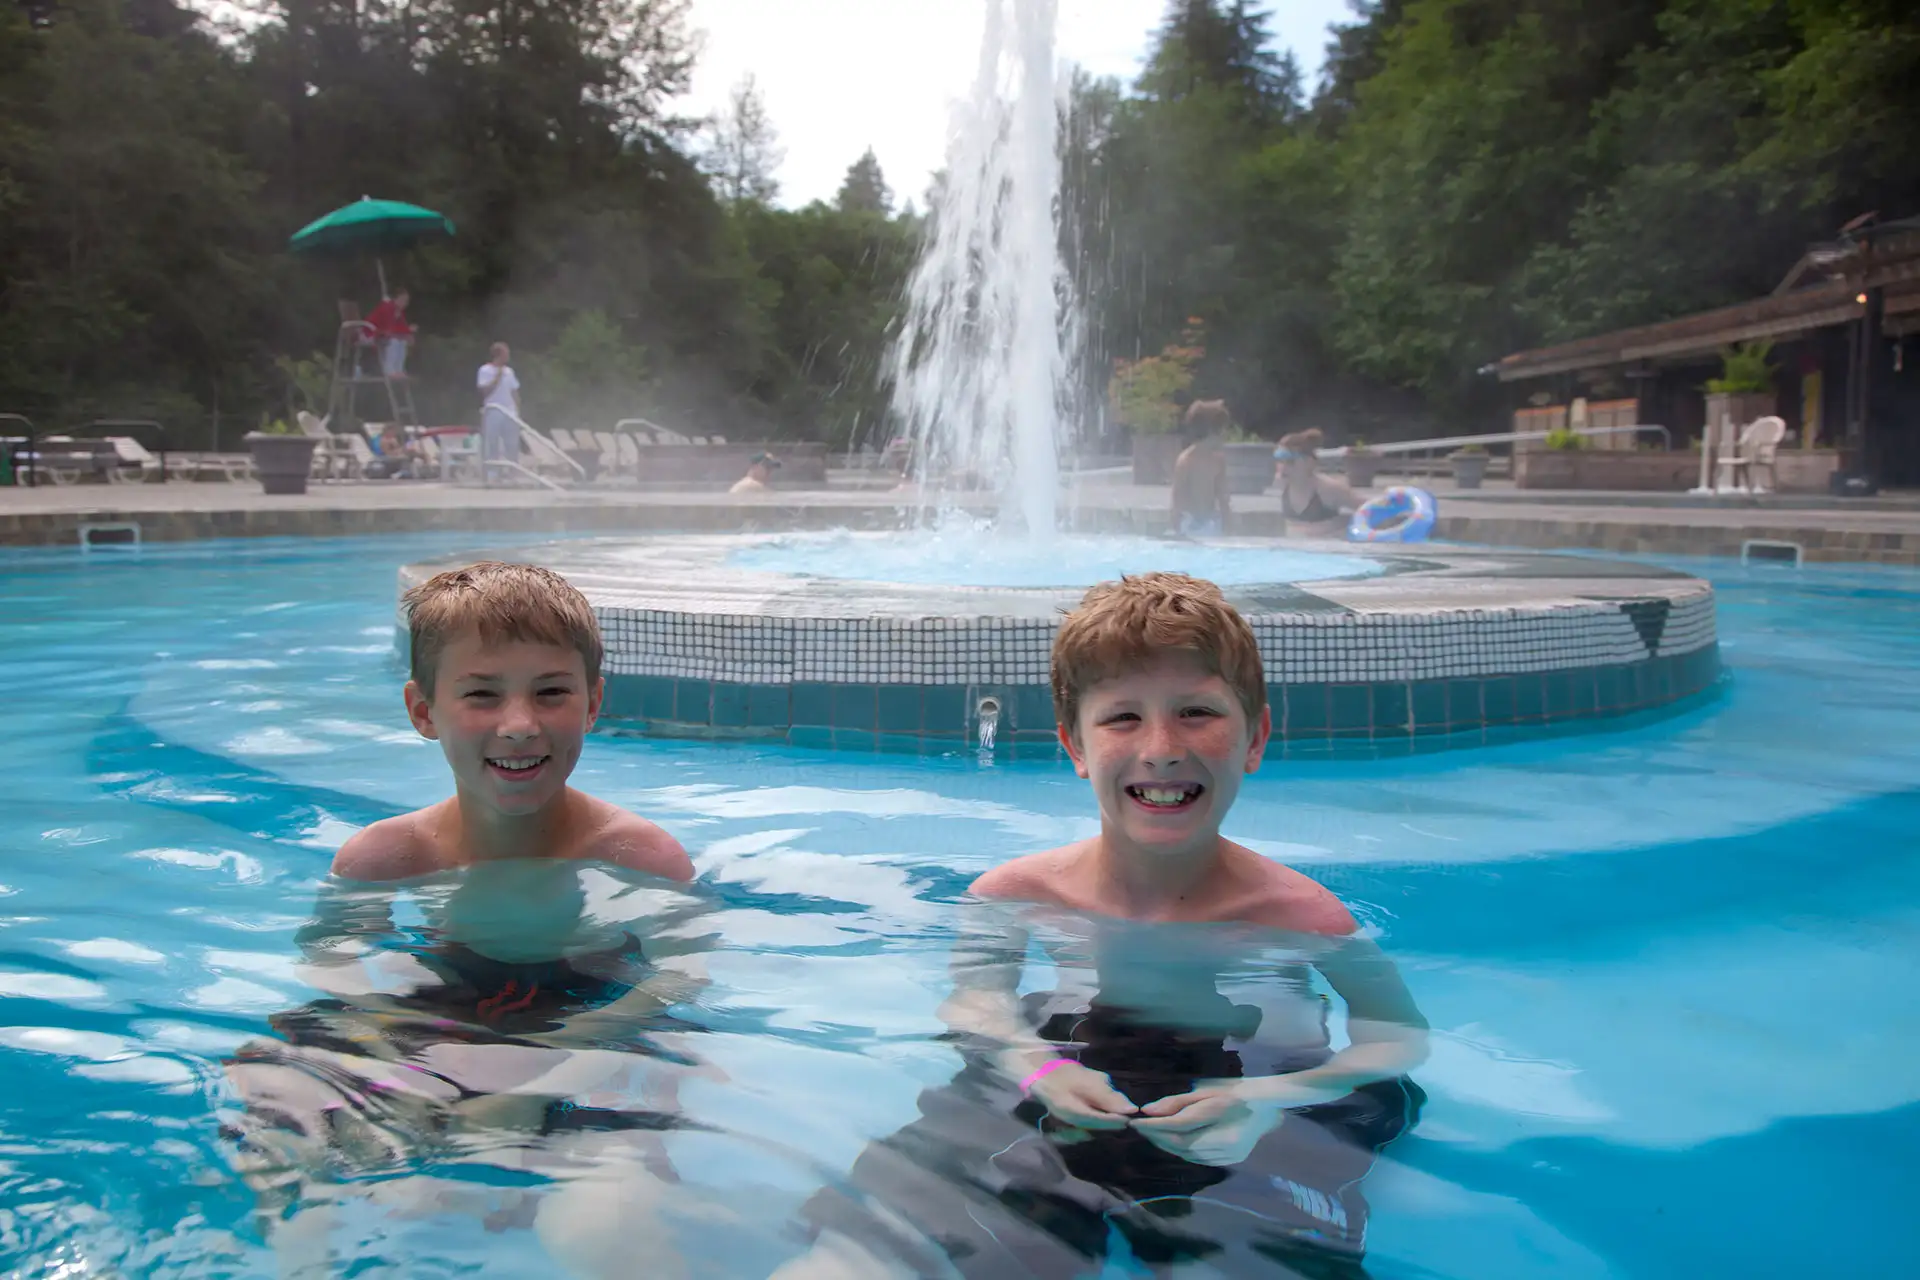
[1643, 470]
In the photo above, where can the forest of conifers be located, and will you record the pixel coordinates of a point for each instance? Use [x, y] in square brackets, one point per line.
[1465, 179]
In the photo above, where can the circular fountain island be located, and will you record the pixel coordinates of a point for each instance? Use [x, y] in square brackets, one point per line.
[924, 640]
[939, 639]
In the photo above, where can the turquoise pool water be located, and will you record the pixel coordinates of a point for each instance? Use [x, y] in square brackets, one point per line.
[1668, 964]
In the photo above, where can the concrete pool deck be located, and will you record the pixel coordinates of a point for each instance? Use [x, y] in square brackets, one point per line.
[1878, 531]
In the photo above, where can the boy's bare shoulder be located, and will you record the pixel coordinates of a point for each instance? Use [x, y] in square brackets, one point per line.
[628, 840]
[1033, 877]
[1282, 898]
[390, 849]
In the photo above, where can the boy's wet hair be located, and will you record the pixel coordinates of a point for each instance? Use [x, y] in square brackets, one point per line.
[1121, 626]
[1206, 417]
[504, 603]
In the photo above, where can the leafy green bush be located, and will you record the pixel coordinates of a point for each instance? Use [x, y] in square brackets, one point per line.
[1565, 438]
[1743, 370]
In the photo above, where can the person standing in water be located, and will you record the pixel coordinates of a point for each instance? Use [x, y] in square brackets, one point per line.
[1179, 1086]
[1200, 502]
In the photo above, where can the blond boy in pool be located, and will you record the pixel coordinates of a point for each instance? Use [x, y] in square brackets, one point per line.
[506, 678]
[524, 1000]
[1158, 1090]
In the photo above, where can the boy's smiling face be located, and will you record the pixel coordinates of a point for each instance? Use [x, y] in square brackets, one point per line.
[1165, 747]
[511, 718]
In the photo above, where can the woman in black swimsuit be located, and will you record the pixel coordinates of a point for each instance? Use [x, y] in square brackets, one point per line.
[1312, 503]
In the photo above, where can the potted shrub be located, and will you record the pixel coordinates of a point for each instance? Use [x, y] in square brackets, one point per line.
[1744, 389]
[282, 457]
[1363, 465]
[1469, 466]
[1148, 396]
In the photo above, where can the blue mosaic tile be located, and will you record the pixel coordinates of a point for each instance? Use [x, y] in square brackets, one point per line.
[1391, 710]
[1466, 704]
[943, 708]
[622, 699]
[855, 706]
[1499, 700]
[898, 709]
[1350, 709]
[1033, 707]
[1430, 714]
[729, 705]
[1560, 702]
[656, 697]
[1529, 699]
[693, 701]
[812, 704]
[770, 705]
[1606, 689]
[1306, 710]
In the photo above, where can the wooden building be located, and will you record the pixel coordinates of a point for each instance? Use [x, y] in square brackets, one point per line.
[1845, 377]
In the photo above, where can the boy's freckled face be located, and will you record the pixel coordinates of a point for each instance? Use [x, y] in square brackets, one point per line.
[1165, 747]
[512, 719]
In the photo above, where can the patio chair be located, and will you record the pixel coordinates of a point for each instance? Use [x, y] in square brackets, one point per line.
[359, 456]
[333, 459]
[630, 454]
[609, 446]
[1758, 447]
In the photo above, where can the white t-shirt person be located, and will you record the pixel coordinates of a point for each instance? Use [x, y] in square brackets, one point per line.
[499, 408]
[498, 386]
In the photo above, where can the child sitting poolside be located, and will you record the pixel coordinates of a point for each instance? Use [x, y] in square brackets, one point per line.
[1140, 1096]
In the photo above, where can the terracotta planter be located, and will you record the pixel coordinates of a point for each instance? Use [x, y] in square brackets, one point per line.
[282, 462]
[1362, 468]
[1469, 469]
[1249, 467]
[1153, 458]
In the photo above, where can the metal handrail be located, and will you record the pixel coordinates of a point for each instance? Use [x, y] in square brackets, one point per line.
[649, 425]
[534, 476]
[555, 449]
[1496, 437]
[33, 434]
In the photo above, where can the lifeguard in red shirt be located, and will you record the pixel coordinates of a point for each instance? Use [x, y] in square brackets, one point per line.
[392, 335]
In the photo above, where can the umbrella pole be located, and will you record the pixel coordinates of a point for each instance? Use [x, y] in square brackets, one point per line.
[380, 265]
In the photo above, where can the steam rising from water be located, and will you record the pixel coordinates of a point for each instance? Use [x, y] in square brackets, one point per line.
[980, 367]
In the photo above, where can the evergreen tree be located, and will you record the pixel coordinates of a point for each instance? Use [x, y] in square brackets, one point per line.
[743, 148]
[865, 190]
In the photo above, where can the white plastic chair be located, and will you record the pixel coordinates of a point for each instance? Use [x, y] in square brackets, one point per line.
[1759, 446]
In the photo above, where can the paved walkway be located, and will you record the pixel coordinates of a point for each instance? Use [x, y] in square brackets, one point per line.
[1885, 530]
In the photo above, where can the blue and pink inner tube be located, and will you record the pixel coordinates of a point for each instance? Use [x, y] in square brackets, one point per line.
[1401, 513]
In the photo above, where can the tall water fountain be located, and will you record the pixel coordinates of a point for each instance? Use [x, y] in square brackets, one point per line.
[980, 369]
[858, 640]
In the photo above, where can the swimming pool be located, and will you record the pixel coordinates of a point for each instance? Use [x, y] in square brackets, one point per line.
[1668, 963]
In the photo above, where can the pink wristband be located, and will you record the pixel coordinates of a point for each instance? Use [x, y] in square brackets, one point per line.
[1026, 1086]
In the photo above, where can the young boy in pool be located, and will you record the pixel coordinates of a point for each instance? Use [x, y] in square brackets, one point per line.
[521, 1014]
[1147, 1100]
[506, 678]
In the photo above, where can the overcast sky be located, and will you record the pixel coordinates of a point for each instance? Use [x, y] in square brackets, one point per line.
[839, 76]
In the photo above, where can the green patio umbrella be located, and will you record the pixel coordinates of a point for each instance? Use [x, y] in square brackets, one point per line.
[371, 226]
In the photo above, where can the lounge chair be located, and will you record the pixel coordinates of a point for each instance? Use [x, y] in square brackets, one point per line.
[631, 454]
[137, 463]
